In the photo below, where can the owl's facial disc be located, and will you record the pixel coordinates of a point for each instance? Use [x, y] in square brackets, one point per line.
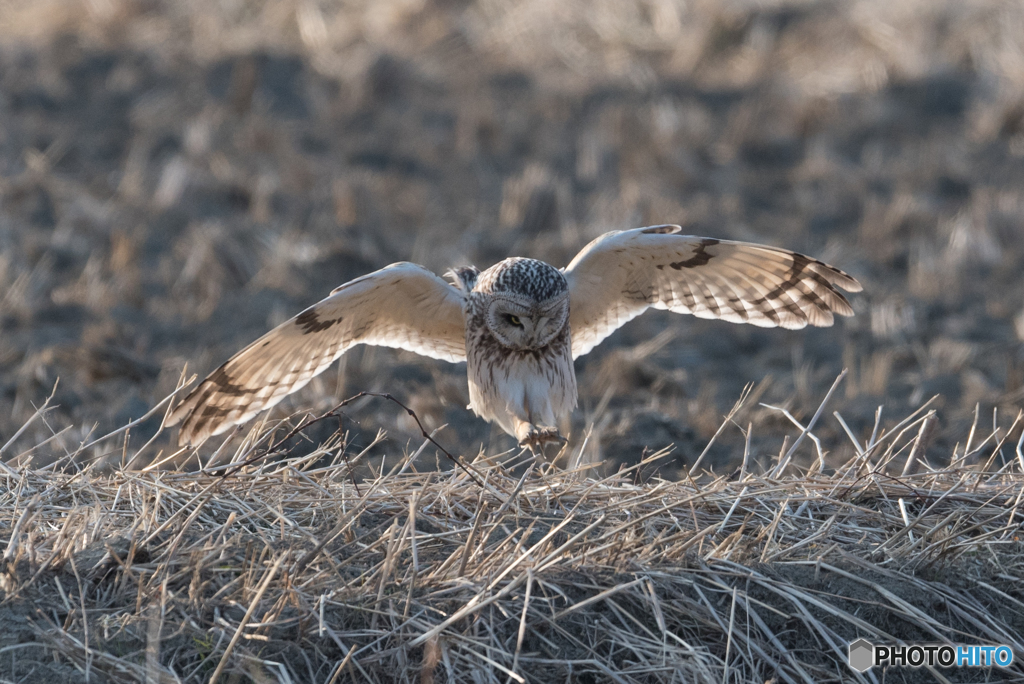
[520, 324]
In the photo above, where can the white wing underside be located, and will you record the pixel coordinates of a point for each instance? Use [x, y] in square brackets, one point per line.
[402, 305]
[620, 275]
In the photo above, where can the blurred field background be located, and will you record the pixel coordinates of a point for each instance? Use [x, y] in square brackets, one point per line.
[176, 177]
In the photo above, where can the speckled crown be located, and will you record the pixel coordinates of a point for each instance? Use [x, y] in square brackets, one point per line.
[521, 276]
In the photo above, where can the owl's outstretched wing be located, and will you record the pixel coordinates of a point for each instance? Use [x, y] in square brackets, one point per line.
[620, 274]
[402, 305]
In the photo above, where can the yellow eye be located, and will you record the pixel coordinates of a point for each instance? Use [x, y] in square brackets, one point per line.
[514, 320]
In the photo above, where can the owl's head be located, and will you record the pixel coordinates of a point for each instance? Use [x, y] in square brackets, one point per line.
[527, 302]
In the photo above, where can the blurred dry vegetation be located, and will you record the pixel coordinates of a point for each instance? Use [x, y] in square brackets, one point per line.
[178, 176]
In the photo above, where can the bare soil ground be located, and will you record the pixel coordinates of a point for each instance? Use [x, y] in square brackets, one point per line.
[178, 177]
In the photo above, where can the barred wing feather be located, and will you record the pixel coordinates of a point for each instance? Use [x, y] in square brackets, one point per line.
[402, 305]
[621, 274]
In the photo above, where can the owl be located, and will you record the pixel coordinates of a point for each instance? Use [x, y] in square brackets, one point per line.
[520, 324]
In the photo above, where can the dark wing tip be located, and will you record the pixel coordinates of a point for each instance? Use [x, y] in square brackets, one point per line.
[837, 276]
[201, 424]
[849, 283]
[184, 414]
[198, 418]
[181, 411]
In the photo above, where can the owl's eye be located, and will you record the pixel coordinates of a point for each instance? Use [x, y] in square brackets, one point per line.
[514, 320]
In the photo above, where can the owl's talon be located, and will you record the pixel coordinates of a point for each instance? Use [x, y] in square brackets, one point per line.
[539, 436]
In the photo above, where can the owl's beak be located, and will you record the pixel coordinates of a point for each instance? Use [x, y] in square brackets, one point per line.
[539, 325]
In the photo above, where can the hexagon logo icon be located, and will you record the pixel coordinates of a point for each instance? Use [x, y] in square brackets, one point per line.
[862, 655]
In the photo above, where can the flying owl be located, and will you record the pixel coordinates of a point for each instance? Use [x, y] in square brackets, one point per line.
[519, 324]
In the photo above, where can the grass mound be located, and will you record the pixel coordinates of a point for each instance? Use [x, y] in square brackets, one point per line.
[291, 570]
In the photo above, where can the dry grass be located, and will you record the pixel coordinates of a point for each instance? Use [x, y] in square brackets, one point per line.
[274, 567]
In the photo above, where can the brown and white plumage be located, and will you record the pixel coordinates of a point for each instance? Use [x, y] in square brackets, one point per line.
[519, 349]
[520, 323]
[402, 305]
[621, 274]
